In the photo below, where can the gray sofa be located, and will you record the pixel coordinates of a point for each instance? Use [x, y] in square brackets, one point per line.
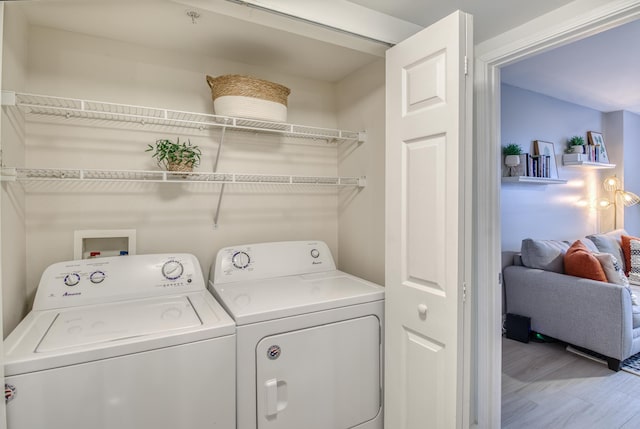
[590, 314]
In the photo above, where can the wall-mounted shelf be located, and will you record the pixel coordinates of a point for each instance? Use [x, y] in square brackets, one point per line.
[533, 180]
[35, 105]
[576, 160]
[77, 175]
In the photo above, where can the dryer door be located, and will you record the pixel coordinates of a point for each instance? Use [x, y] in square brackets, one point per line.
[322, 377]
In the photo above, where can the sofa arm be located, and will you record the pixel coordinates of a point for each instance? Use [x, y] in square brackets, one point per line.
[586, 313]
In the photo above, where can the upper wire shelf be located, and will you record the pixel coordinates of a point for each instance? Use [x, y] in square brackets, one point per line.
[50, 106]
[86, 175]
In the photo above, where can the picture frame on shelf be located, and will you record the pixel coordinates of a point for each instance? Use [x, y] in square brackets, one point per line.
[596, 139]
[544, 149]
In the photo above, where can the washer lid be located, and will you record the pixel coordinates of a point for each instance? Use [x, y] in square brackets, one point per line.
[260, 300]
[109, 322]
[61, 337]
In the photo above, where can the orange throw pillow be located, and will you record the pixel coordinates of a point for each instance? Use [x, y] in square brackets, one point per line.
[580, 262]
[626, 250]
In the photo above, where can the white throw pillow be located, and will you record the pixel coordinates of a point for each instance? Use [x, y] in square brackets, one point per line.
[614, 273]
[634, 271]
[612, 269]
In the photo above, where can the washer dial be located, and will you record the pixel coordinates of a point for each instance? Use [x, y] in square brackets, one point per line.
[315, 253]
[172, 270]
[97, 277]
[72, 279]
[240, 260]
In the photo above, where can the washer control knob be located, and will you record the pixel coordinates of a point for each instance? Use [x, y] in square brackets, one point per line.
[172, 270]
[240, 260]
[97, 277]
[315, 253]
[72, 279]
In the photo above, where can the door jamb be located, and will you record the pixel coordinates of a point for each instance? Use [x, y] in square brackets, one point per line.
[562, 26]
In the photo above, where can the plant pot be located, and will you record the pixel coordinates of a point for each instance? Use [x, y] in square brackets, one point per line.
[181, 167]
[576, 149]
[512, 160]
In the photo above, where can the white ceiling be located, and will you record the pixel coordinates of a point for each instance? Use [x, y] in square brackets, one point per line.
[597, 72]
[164, 24]
[600, 72]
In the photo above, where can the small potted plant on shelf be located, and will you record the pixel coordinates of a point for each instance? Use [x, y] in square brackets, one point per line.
[175, 156]
[575, 145]
[512, 153]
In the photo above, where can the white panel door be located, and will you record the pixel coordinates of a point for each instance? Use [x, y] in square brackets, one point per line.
[427, 225]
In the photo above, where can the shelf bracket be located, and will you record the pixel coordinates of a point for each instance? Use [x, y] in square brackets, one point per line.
[215, 170]
[8, 98]
[362, 137]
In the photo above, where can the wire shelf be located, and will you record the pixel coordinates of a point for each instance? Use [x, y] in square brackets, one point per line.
[35, 105]
[70, 175]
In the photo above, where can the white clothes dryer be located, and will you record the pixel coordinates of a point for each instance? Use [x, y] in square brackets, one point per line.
[128, 342]
[309, 337]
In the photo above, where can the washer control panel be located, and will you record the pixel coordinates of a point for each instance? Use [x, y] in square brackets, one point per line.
[268, 260]
[87, 281]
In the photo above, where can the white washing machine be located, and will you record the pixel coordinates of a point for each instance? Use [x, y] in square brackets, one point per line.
[134, 342]
[309, 337]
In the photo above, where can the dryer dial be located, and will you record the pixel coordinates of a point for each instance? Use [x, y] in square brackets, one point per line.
[172, 270]
[72, 279]
[240, 260]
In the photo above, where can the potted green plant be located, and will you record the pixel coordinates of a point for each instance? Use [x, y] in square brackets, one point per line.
[575, 145]
[512, 153]
[175, 156]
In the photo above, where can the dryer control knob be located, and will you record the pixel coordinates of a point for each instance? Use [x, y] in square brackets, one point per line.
[72, 279]
[315, 253]
[172, 270]
[240, 260]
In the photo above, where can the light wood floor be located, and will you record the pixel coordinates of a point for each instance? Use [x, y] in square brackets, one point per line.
[544, 386]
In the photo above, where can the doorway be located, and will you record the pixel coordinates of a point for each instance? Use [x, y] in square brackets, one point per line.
[574, 22]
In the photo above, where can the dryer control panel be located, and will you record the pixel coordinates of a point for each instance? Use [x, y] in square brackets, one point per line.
[269, 260]
[92, 281]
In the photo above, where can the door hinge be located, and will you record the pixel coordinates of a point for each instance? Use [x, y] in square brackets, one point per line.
[499, 278]
[464, 292]
[466, 65]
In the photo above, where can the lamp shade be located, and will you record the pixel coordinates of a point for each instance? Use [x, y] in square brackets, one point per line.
[603, 203]
[628, 198]
[611, 183]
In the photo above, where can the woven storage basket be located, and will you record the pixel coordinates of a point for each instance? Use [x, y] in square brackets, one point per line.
[249, 97]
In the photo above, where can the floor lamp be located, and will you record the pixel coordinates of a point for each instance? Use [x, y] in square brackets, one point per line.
[627, 198]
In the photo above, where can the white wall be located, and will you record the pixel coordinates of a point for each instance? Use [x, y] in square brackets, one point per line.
[14, 60]
[632, 170]
[613, 133]
[361, 106]
[166, 219]
[549, 211]
[623, 137]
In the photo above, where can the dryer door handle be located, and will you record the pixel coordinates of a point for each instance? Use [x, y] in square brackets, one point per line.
[276, 396]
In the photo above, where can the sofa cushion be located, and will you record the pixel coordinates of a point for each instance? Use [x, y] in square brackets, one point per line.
[544, 254]
[610, 243]
[626, 250]
[580, 262]
[612, 269]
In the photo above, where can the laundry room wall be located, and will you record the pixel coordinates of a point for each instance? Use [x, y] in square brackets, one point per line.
[167, 217]
[361, 106]
[14, 61]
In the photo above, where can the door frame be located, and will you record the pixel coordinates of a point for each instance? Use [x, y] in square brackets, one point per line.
[564, 25]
